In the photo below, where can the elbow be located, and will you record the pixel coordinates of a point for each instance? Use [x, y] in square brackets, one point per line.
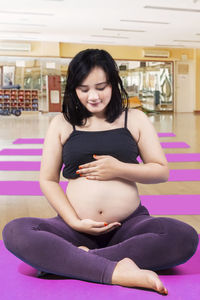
[43, 181]
[165, 174]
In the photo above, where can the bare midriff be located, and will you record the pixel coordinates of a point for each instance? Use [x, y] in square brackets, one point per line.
[108, 201]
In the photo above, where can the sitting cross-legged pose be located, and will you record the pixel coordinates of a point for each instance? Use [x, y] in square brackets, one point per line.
[101, 232]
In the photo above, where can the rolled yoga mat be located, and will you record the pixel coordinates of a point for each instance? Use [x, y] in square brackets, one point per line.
[19, 281]
[41, 141]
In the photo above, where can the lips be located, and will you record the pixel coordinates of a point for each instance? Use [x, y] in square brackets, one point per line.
[97, 102]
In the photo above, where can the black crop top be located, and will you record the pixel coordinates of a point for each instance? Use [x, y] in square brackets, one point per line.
[82, 145]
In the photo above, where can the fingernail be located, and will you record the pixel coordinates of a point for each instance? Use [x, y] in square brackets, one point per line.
[80, 167]
[80, 175]
[105, 224]
[77, 172]
[94, 155]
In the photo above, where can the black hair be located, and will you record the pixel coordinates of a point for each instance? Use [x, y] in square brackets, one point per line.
[79, 68]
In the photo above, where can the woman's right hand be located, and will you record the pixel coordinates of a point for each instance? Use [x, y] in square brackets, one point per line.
[95, 228]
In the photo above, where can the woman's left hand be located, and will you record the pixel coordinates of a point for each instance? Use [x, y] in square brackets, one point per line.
[103, 168]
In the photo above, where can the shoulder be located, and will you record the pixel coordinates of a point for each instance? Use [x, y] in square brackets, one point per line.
[60, 126]
[137, 114]
[57, 119]
[137, 120]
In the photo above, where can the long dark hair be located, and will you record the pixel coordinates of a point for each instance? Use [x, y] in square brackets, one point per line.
[79, 68]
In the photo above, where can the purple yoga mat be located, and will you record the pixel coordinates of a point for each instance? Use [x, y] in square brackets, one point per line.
[29, 141]
[172, 204]
[41, 141]
[19, 281]
[19, 165]
[180, 157]
[29, 188]
[184, 175]
[166, 134]
[21, 152]
[174, 145]
[157, 204]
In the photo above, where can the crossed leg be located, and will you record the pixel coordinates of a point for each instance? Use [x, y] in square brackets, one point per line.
[148, 243]
[51, 245]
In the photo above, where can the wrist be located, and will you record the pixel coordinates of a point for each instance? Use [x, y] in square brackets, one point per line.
[119, 169]
[75, 224]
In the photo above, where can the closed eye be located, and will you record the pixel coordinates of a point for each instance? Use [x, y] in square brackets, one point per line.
[101, 89]
[97, 88]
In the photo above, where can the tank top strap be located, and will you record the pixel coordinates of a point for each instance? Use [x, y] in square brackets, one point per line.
[74, 127]
[126, 116]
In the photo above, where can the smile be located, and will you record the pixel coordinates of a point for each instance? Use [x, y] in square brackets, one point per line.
[94, 103]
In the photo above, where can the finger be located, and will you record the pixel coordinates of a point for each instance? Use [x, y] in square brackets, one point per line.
[99, 156]
[108, 228]
[92, 177]
[99, 224]
[86, 171]
[88, 165]
[111, 226]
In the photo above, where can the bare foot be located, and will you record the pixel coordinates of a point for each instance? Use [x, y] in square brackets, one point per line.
[127, 273]
[84, 248]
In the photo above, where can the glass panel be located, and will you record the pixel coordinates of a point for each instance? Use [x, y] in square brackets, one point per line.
[149, 84]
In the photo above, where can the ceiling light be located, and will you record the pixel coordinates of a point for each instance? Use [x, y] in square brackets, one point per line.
[173, 8]
[21, 32]
[176, 46]
[17, 38]
[110, 36]
[23, 24]
[124, 30]
[187, 41]
[97, 42]
[25, 13]
[148, 22]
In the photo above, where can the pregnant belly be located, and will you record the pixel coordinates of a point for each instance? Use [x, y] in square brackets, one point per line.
[106, 201]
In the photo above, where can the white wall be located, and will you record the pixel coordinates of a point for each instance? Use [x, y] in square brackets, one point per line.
[184, 87]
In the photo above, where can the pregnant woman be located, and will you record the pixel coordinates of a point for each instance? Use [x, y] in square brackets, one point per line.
[101, 232]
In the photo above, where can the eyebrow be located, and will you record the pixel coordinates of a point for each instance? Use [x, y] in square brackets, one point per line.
[97, 84]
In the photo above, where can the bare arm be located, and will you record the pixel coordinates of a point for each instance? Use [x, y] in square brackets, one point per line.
[155, 167]
[51, 165]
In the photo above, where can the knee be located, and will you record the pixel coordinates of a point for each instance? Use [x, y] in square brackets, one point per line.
[181, 238]
[12, 234]
[187, 241]
[190, 240]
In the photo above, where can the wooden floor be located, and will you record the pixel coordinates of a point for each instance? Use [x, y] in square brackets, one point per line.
[186, 126]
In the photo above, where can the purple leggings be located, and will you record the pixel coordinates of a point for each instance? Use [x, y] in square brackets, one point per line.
[50, 245]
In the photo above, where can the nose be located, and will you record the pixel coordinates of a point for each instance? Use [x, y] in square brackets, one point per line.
[93, 95]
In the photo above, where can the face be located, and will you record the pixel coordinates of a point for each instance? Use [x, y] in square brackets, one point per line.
[95, 92]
